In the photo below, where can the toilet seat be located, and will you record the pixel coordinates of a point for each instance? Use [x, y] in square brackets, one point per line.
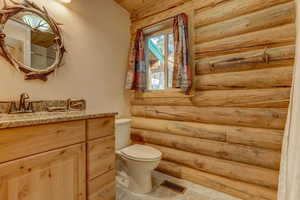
[141, 153]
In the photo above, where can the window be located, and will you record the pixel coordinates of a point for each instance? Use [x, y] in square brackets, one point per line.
[36, 22]
[160, 59]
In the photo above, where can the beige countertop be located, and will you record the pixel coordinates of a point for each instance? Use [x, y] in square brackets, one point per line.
[19, 120]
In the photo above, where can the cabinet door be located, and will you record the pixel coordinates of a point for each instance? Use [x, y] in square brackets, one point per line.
[107, 192]
[103, 187]
[101, 156]
[55, 175]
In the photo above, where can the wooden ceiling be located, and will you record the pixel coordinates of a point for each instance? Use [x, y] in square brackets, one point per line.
[133, 5]
[140, 9]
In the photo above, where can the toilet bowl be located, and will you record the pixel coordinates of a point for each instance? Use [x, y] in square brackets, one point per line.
[139, 160]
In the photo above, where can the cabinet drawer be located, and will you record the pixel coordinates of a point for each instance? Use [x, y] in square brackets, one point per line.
[20, 142]
[101, 156]
[100, 182]
[97, 128]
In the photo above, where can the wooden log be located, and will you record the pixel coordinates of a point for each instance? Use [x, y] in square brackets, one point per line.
[256, 137]
[264, 58]
[190, 129]
[238, 189]
[165, 97]
[184, 8]
[267, 18]
[169, 93]
[249, 155]
[253, 98]
[212, 11]
[229, 169]
[170, 168]
[262, 138]
[273, 37]
[273, 118]
[253, 79]
[162, 101]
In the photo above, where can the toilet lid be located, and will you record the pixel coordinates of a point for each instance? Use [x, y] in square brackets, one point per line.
[141, 152]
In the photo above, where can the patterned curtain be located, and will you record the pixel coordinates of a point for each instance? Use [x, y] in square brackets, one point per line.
[182, 76]
[137, 73]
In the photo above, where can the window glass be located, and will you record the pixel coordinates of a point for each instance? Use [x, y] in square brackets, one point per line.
[156, 62]
[160, 60]
[170, 59]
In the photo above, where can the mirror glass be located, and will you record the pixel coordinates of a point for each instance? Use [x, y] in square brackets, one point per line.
[30, 40]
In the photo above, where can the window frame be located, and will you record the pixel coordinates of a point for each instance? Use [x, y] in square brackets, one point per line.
[165, 32]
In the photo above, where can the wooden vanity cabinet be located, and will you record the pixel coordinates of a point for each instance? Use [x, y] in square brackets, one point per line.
[58, 161]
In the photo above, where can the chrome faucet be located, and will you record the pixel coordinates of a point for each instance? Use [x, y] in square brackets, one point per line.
[22, 105]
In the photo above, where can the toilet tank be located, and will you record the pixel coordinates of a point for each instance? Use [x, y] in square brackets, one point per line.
[122, 133]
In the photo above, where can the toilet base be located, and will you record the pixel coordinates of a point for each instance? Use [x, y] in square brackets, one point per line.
[140, 181]
[139, 174]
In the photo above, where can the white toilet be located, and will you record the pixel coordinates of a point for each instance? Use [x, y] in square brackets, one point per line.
[140, 160]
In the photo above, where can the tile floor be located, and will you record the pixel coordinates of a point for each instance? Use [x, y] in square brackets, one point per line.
[193, 192]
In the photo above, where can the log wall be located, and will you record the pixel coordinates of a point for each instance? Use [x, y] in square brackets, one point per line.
[228, 134]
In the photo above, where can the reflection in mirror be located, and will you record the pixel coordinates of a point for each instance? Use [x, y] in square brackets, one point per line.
[30, 40]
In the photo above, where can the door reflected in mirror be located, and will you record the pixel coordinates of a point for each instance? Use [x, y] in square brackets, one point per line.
[30, 40]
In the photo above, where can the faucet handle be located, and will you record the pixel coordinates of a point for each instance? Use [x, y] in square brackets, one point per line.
[25, 95]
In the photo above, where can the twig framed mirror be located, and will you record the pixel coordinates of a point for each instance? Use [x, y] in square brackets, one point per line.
[30, 39]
